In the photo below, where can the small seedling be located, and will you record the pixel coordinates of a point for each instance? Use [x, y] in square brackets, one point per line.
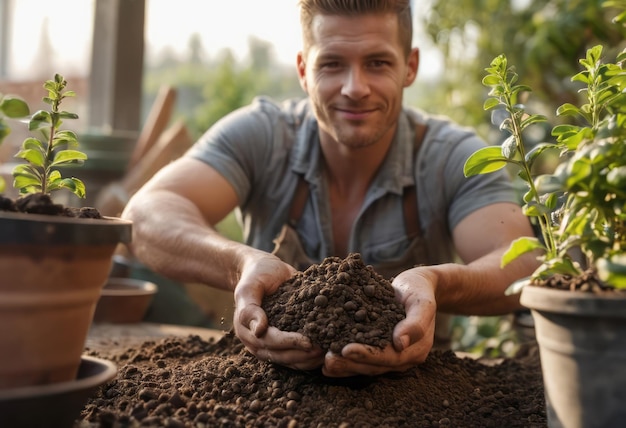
[55, 148]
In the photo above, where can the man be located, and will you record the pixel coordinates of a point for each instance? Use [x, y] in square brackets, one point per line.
[333, 174]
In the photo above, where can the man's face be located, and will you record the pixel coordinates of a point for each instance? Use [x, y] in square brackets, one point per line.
[354, 73]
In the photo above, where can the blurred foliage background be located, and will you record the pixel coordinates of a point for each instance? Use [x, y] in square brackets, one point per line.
[544, 39]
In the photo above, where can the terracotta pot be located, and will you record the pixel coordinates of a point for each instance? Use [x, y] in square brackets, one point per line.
[582, 345]
[124, 300]
[51, 272]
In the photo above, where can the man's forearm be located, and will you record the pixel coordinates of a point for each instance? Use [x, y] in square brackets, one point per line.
[172, 238]
[478, 288]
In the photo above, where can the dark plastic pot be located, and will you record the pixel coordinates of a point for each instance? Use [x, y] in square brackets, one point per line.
[582, 345]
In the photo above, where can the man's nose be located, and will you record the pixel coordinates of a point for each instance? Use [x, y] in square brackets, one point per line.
[355, 85]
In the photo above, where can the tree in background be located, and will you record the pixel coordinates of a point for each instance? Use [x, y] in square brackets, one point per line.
[208, 89]
[544, 38]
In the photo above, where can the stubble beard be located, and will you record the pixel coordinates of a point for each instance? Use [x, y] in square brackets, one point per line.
[353, 135]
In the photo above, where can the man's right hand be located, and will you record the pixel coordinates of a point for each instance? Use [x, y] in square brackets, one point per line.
[261, 276]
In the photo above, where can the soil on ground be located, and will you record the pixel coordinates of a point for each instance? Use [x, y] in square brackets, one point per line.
[191, 382]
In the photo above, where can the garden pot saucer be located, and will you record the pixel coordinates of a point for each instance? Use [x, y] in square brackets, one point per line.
[54, 405]
[124, 300]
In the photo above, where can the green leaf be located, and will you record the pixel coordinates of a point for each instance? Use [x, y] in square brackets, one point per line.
[67, 115]
[22, 181]
[532, 119]
[54, 175]
[520, 88]
[65, 137]
[568, 109]
[535, 209]
[40, 119]
[491, 103]
[33, 143]
[613, 270]
[68, 156]
[485, 160]
[26, 169]
[14, 107]
[536, 151]
[520, 247]
[491, 80]
[33, 156]
[558, 265]
[75, 185]
[547, 183]
[583, 77]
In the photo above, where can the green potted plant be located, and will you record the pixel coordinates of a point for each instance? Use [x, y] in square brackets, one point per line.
[54, 260]
[576, 295]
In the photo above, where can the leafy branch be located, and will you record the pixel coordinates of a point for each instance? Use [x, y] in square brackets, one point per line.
[582, 205]
[44, 155]
[504, 94]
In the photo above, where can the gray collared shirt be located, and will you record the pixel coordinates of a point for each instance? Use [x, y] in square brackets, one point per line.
[261, 149]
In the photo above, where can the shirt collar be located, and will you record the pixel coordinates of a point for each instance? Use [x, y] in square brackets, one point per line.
[395, 173]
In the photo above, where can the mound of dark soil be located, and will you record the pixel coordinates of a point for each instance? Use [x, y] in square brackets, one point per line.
[335, 303]
[189, 382]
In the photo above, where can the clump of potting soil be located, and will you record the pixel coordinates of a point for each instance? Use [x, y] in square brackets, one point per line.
[337, 302]
[42, 203]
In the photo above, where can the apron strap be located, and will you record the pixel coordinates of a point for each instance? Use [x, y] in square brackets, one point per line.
[409, 195]
[299, 200]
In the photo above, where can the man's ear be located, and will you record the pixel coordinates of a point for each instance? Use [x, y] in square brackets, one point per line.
[301, 68]
[413, 63]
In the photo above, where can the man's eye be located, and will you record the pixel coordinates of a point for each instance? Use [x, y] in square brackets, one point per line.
[378, 63]
[330, 64]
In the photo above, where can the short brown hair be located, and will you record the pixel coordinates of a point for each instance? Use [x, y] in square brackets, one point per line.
[402, 8]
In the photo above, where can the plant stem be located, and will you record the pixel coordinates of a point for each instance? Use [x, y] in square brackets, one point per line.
[544, 219]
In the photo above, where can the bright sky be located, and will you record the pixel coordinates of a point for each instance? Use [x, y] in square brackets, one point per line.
[168, 24]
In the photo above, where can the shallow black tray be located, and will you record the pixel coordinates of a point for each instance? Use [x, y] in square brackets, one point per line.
[55, 405]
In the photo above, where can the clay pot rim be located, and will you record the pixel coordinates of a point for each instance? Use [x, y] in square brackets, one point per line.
[573, 302]
[23, 228]
[128, 287]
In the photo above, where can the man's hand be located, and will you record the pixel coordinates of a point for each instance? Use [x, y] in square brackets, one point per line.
[412, 337]
[262, 276]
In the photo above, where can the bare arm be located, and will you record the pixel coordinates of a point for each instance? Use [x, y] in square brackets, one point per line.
[174, 234]
[478, 287]
[173, 223]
